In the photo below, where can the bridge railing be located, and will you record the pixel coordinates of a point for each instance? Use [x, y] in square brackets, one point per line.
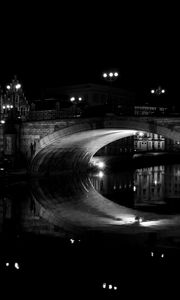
[91, 112]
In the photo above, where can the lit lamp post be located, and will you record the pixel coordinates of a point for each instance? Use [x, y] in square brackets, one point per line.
[14, 90]
[158, 91]
[75, 101]
[11, 114]
[110, 77]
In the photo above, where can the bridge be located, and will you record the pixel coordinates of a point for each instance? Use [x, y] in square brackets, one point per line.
[71, 143]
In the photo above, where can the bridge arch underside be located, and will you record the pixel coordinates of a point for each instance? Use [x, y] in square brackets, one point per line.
[78, 205]
[73, 147]
[74, 152]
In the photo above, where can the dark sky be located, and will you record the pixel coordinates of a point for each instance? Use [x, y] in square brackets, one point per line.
[54, 45]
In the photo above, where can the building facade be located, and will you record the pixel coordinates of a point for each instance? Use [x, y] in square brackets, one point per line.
[139, 143]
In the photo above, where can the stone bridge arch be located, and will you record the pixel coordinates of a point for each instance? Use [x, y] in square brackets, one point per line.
[72, 147]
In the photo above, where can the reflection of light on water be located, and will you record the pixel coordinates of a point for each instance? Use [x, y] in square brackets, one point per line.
[138, 220]
[100, 174]
[16, 265]
[152, 223]
[101, 164]
[129, 220]
[122, 220]
[98, 163]
[134, 220]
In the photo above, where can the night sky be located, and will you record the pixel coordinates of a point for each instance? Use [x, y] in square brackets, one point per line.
[50, 46]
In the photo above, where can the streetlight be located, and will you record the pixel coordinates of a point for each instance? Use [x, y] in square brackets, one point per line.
[158, 91]
[75, 101]
[13, 91]
[110, 77]
[14, 108]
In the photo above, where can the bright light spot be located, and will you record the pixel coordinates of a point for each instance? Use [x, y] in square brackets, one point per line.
[138, 219]
[4, 106]
[2, 169]
[11, 106]
[163, 91]
[141, 133]
[152, 223]
[100, 174]
[105, 75]
[72, 241]
[72, 99]
[134, 188]
[8, 106]
[101, 164]
[111, 74]
[129, 220]
[116, 74]
[2, 122]
[162, 255]
[152, 253]
[16, 266]
[8, 87]
[104, 285]
[155, 182]
[110, 286]
[152, 91]
[80, 98]
[115, 287]
[18, 86]
[7, 264]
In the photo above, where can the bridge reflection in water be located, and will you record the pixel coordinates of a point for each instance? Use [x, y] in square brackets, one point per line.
[70, 207]
[73, 204]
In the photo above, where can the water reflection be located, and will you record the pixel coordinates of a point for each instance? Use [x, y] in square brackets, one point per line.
[155, 188]
[20, 212]
[67, 202]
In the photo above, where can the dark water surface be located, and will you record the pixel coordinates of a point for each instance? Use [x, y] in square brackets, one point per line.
[37, 251]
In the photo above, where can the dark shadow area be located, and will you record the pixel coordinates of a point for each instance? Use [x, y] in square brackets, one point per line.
[46, 260]
[95, 265]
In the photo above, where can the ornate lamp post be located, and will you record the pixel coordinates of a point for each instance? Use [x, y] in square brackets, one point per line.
[75, 101]
[14, 93]
[158, 91]
[110, 77]
[14, 107]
